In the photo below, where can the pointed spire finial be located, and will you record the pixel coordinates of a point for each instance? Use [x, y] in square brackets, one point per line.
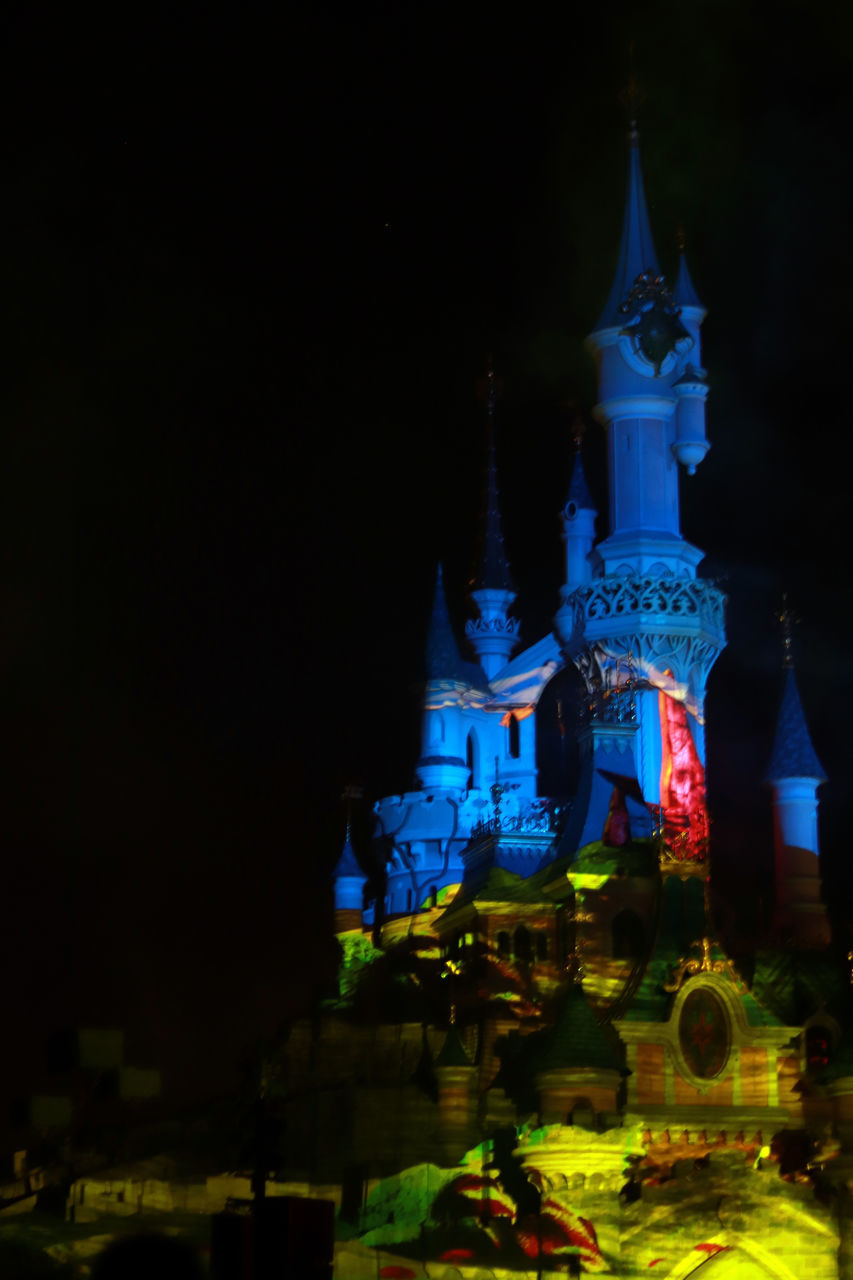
[636, 249]
[347, 866]
[632, 96]
[579, 494]
[787, 620]
[351, 792]
[684, 292]
[493, 568]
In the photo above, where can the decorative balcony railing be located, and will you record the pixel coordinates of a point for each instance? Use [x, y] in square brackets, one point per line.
[534, 817]
[615, 597]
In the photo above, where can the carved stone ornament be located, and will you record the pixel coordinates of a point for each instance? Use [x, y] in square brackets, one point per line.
[688, 967]
[653, 321]
[704, 1035]
[675, 598]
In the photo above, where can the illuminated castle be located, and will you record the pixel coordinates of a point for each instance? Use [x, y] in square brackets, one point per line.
[541, 993]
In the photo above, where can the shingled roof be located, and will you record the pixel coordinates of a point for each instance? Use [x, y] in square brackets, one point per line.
[793, 754]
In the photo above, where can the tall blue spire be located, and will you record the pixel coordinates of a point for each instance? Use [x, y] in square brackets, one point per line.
[493, 569]
[494, 634]
[636, 248]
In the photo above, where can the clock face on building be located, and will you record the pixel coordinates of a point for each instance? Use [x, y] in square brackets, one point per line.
[703, 1034]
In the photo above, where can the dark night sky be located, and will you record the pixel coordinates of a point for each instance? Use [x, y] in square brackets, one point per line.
[251, 272]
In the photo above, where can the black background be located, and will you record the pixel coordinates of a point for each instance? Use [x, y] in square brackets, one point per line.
[251, 270]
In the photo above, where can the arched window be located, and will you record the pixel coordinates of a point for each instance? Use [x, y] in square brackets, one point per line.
[582, 1113]
[628, 936]
[504, 945]
[471, 760]
[554, 734]
[522, 948]
[514, 736]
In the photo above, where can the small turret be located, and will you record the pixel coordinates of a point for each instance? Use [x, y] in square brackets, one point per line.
[578, 519]
[690, 444]
[494, 634]
[795, 773]
[579, 1068]
[442, 764]
[691, 388]
[349, 880]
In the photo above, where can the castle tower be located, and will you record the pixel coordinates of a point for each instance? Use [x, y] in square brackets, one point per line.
[578, 520]
[642, 615]
[795, 774]
[494, 634]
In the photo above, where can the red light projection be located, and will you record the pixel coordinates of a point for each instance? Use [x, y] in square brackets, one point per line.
[684, 817]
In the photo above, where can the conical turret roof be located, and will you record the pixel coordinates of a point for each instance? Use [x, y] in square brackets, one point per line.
[347, 864]
[636, 247]
[452, 1052]
[443, 659]
[579, 492]
[577, 1040]
[684, 294]
[793, 754]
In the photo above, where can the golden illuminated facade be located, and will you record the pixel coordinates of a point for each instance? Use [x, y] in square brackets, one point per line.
[540, 1058]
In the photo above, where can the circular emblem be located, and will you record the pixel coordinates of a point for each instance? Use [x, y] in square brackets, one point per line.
[703, 1034]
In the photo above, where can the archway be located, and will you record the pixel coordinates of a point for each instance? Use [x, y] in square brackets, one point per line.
[472, 759]
[557, 719]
